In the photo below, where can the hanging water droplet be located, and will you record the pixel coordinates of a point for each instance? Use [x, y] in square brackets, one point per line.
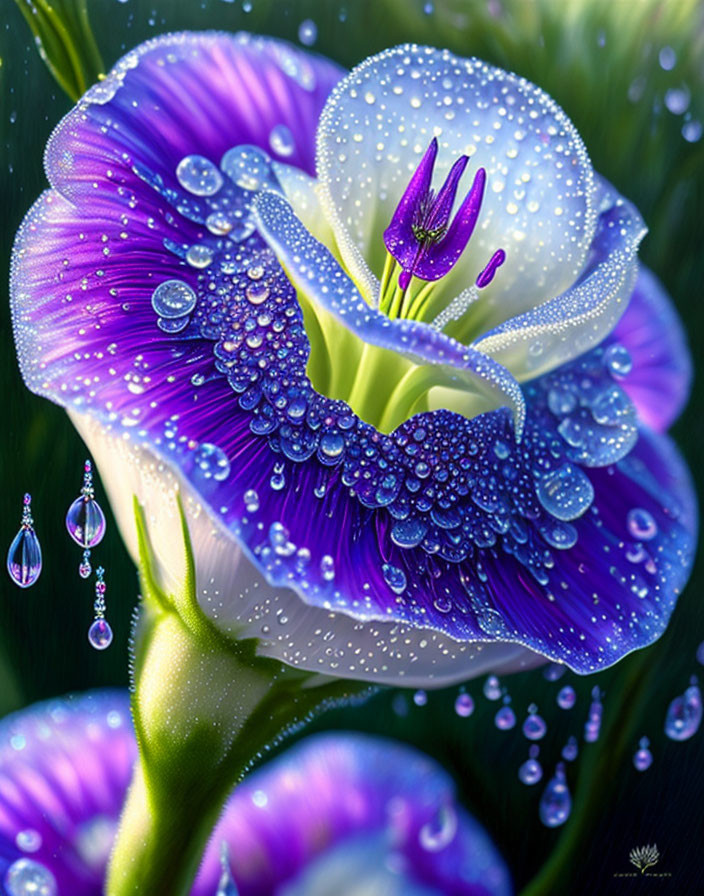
[692, 130]
[556, 802]
[25, 877]
[530, 772]
[464, 705]
[248, 167]
[439, 832]
[327, 568]
[173, 299]
[281, 140]
[570, 749]
[24, 558]
[505, 718]
[211, 462]
[198, 175]
[534, 726]
[643, 758]
[420, 698]
[554, 671]
[566, 492]
[307, 32]
[492, 688]
[567, 697]
[100, 634]
[85, 522]
[85, 568]
[592, 726]
[684, 714]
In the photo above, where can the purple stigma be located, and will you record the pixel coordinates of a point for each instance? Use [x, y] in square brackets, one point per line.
[420, 236]
[487, 275]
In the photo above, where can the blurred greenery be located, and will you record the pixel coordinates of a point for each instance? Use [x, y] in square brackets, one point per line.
[610, 65]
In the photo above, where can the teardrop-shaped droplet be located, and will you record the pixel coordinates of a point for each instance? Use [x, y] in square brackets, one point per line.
[85, 522]
[534, 726]
[100, 634]
[684, 715]
[643, 758]
[24, 559]
[530, 771]
[556, 802]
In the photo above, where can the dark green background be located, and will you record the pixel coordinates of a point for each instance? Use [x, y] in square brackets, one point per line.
[586, 55]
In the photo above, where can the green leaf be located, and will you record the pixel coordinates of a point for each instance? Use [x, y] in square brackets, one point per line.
[65, 41]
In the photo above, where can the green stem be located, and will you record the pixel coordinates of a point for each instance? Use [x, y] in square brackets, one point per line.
[204, 707]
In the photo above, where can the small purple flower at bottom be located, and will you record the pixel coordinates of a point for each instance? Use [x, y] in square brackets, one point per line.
[334, 813]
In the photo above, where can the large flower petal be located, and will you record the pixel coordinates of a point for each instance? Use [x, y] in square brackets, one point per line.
[570, 324]
[65, 766]
[185, 94]
[656, 372]
[64, 769]
[539, 202]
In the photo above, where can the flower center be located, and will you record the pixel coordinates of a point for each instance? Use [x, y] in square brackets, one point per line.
[424, 245]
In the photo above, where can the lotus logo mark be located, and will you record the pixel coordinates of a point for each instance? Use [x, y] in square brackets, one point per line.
[644, 857]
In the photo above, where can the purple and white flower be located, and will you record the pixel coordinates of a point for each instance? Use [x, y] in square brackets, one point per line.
[388, 474]
[339, 812]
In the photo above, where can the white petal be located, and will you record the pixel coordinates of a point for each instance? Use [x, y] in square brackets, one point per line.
[239, 600]
[539, 202]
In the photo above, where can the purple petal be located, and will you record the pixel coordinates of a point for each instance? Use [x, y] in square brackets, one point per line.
[66, 765]
[189, 93]
[658, 375]
[331, 789]
[65, 768]
[398, 236]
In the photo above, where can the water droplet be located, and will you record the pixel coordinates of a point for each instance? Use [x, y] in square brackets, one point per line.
[440, 831]
[327, 568]
[505, 718]
[28, 840]
[570, 749]
[25, 877]
[199, 256]
[641, 524]
[567, 697]
[492, 688]
[643, 758]
[566, 493]
[248, 167]
[394, 577]
[420, 698]
[24, 559]
[307, 32]
[464, 705]
[554, 671]
[556, 802]
[534, 726]
[692, 130]
[211, 462]
[218, 223]
[173, 299]
[251, 500]
[281, 140]
[85, 522]
[677, 99]
[100, 634]
[684, 715]
[667, 58]
[198, 175]
[592, 726]
[617, 360]
[530, 772]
